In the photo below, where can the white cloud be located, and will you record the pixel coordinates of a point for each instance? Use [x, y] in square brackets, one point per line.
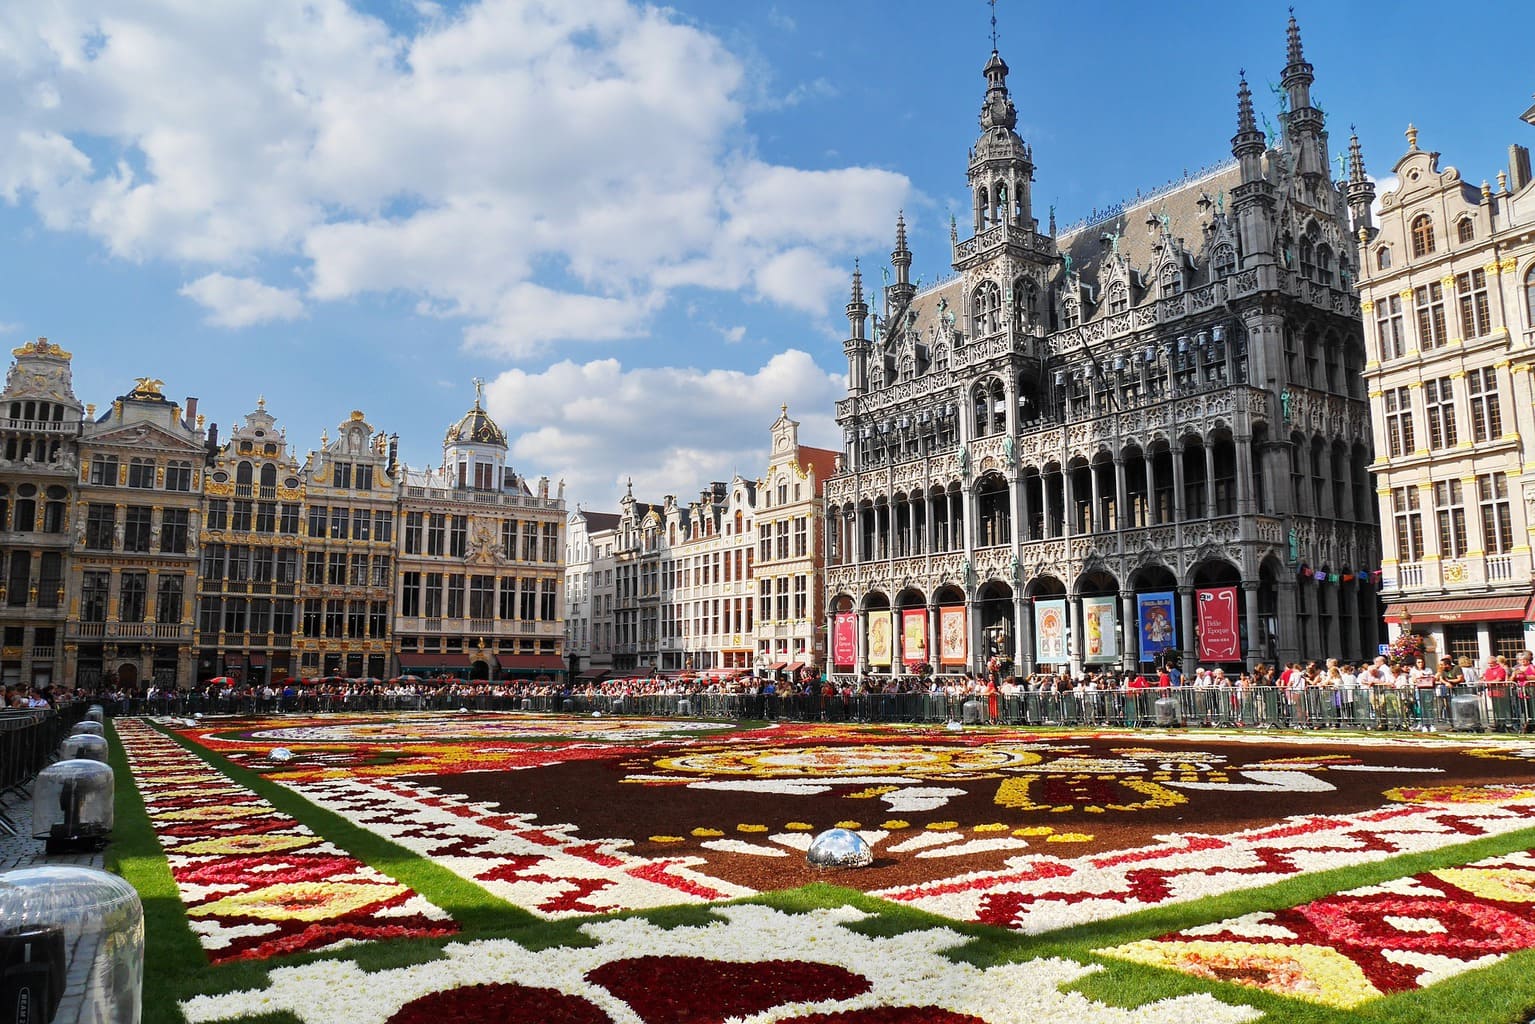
[672, 429]
[543, 171]
[242, 301]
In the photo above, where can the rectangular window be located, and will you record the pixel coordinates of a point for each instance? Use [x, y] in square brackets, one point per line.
[240, 520]
[434, 595]
[335, 569]
[335, 618]
[93, 595]
[282, 618]
[234, 617]
[356, 618]
[314, 568]
[1428, 301]
[413, 533]
[1439, 405]
[530, 542]
[287, 566]
[1409, 523]
[484, 476]
[317, 519]
[239, 563]
[781, 598]
[266, 517]
[527, 603]
[173, 531]
[546, 601]
[100, 524]
[213, 564]
[136, 532]
[288, 523]
[1486, 408]
[380, 576]
[1388, 327]
[1450, 512]
[508, 602]
[218, 514]
[1497, 520]
[168, 598]
[341, 477]
[178, 476]
[209, 615]
[1471, 296]
[765, 540]
[783, 540]
[357, 574]
[551, 542]
[378, 618]
[482, 597]
[131, 597]
[383, 527]
[312, 608]
[509, 538]
[458, 537]
[800, 607]
[340, 523]
[1399, 429]
[364, 481]
[455, 595]
[436, 533]
[801, 537]
[410, 594]
[141, 473]
[362, 524]
[104, 470]
[260, 618]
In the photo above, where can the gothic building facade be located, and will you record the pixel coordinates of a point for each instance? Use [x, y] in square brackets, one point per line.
[1142, 438]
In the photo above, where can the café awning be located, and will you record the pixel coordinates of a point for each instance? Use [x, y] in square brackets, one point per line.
[1492, 608]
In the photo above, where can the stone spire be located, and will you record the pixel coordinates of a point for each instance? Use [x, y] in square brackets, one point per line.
[1248, 144]
[856, 347]
[1252, 200]
[1360, 189]
[900, 258]
[1305, 129]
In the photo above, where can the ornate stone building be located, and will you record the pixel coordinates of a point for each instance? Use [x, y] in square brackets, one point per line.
[351, 489]
[1448, 283]
[706, 581]
[791, 530]
[1090, 430]
[132, 570]
[589, 592]
[252, 541]
[39, 425]
[638, 541]
[481, 559]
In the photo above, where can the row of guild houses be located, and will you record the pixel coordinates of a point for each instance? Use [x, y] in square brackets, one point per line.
[138, 550]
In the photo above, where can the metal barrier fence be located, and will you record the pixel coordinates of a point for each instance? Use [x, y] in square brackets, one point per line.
[1466, 708]
[29, 739]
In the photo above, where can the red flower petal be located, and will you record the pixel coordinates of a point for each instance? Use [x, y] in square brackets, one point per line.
[890, 1015]
[695, 990]
[499, 1004]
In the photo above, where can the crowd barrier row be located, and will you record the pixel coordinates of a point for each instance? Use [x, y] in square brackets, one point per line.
[1466, 708]
[29, 739]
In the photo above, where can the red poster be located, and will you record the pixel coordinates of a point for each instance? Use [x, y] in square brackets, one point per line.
[914, 636]
[1216, 610]
[844, 643]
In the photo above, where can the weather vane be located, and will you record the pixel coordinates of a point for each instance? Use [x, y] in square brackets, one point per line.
[993, 4]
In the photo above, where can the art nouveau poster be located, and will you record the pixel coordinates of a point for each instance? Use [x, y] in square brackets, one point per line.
[1217, 617]
[914, 636]
[880, 637]
[1050, 631]
[1100, 617]
[953, 643]
[844, 639]
[1158, 623]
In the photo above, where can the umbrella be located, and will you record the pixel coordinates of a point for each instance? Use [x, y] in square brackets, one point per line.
[367, 680]
[221, 681]
[407, 678]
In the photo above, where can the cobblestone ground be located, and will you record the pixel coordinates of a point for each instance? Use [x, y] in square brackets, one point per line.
[22, 851]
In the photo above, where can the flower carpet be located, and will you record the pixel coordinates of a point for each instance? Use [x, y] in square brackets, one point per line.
[1018, 875]
[255, 882]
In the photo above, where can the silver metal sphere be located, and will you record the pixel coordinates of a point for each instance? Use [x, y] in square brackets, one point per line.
[839, 848]
[280, 754]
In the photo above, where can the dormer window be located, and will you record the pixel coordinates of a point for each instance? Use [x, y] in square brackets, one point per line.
[1119, 297]
[1465, 230]
[1383, 258]
[1225, 261]
[1071, 315]
[1172, 281]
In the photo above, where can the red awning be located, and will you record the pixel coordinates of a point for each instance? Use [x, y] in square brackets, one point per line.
[548, 662]
[431, 662]
[257, 659]
[1493, 608]
[778, 666]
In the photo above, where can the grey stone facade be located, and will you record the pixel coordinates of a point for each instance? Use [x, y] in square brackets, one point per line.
[1166, 400]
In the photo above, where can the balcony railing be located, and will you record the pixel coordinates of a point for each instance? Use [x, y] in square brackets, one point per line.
[1409, 574]
[39, 426]
[1499, 568]
[41, 653]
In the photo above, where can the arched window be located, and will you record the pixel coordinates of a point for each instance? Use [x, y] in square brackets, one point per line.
[982, 208]
[1465, 229]
[1225, 261]
[1383, 258]
[1324, 264]
[1422, 235]
[1070, 315]
[1307, 262]
[268, 476]
[1119, 297]
[987, 309]
[243, 474]
[1529, 295]
[1172, 281]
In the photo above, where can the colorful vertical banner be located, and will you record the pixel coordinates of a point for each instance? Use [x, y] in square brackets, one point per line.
[1217, 617]
[1158, 616]
[914, 636]
[953, 636]
[1050, 632]
[881, 627]
[844, 639]
[1100, 619]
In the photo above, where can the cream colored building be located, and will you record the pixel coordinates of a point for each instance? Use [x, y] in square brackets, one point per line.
[1447, 283]
[706, 581]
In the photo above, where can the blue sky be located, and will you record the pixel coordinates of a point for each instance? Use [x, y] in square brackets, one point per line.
[635, 223]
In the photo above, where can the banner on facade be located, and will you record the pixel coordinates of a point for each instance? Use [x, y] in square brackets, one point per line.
[1157, 613]
[1217, 616]
[880, 629]
[1100, 619]
[953, 640]
[844, 639]
[914, 636]
[1050, 632]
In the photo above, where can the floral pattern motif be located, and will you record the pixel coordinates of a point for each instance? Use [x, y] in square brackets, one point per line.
[255, 882]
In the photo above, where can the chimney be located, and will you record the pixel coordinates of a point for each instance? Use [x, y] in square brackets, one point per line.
[190, 422]
[212, 445]
[394, 452]
[1518, 167]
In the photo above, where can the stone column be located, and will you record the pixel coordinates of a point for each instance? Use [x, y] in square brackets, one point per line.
[1129, 632]
[1190, 642]
[1180, 513]
[1025, 513]
[1073, 629]
[1254, 625]
[1247, 503]
[1209, 447]
[1067, 504]
[1121, 507]
[1151, 490]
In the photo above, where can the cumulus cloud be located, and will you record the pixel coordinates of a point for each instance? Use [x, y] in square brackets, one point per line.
[544, 172]
[242, 301]
[671, 429]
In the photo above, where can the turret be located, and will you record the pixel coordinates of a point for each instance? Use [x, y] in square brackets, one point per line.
[901, 292]
[1001, 165]
[1252, 201]
[857, 346]
[1305, 127]
[1360, 189]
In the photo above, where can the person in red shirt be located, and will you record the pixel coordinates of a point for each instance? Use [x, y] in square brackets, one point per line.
[1523, 694]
